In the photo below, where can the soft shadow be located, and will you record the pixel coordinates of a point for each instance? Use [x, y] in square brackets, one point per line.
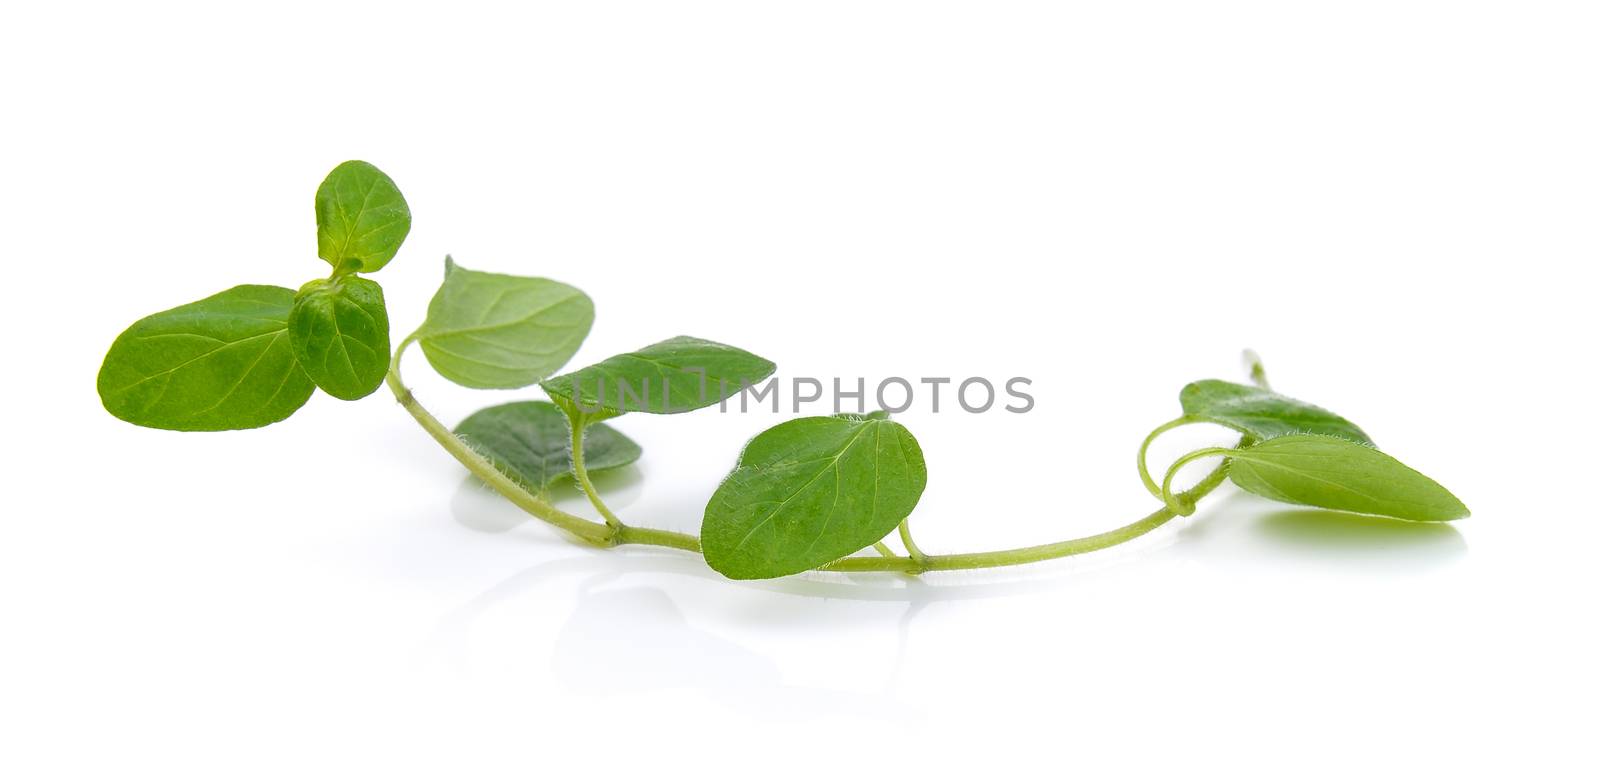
[629, 633]
[1358, 541]
[629, 629]
[1335, 531]
[620, 487]
[590, 652]
[477, 508]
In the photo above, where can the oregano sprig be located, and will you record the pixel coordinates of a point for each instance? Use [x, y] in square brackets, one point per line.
[814, 493]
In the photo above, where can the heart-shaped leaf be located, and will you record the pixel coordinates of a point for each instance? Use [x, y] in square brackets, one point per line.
[1337, 474]
[361, 217]
[1262, 414]
[678, 375]
[811, 491]
[222, 362]
[498, 331]
[530, 443]
[339, 330]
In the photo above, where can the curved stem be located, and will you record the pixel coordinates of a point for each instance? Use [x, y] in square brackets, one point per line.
[911, 545]
[1035, 553]
[1177, 504]
[577, 424]
[585, 530]
[1144, 448]
[605, 536]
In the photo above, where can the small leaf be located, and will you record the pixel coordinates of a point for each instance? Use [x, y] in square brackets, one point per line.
[809, 492]
[361, 216]
[678, 375]
[497, 331]
[219, 363]
[1337, 474]
[530, 443]
[339, 330]
[1262, 414]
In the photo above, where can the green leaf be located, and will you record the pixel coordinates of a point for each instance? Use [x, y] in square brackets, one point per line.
[530, 443]
[361, 217]
[1262, 414]
[339, 330]
[222, 362]
[1337, 474]
[809, 492]
[497, 331]
[678, 375]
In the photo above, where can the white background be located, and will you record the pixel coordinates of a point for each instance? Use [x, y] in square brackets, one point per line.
[1394, 202]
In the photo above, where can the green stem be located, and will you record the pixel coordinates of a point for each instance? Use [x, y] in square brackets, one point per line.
[606, 536]
[585, 530]
[1144, 449]
[884, 549]
[1176, 503]
[1258, 371]
[911, 545]
[578, 425]
[639, 535]
[1035, 553]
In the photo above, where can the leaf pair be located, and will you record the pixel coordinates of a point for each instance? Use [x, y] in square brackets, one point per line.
[1299, 453]
[499, 331]
[530, 441]
[339, 327]
[250, 355]
[804, 493]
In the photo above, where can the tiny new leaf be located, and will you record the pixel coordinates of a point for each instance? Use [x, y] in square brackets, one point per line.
[1261, 413]
[810, 491]
[678, 375]
[339, 330]
[530, 443]
[219, 363]
[361, 217]
[1337, 474]
[497, 331]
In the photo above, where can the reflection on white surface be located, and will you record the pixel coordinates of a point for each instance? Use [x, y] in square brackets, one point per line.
[624, 637]
[630, 622]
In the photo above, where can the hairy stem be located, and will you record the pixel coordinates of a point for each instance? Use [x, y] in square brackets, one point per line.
[1144, 449]
[1176, 502]
[638, 535]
